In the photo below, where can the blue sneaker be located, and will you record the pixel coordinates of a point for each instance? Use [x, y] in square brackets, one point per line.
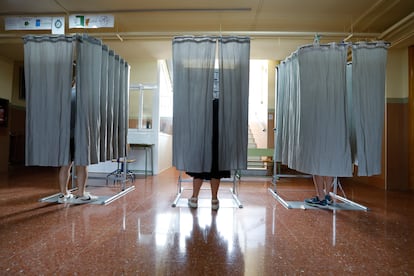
[328, 199]
[312, 200]
[316, 202]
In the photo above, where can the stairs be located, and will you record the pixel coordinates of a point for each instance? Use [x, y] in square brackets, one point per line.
[255, 164]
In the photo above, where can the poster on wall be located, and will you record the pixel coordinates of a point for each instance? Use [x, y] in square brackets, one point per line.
[91, 21]
[27, 23]
[4, 110]
[58, 25]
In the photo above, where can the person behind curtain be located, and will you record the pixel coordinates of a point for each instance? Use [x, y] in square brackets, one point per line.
[81, 196]
[323, 185]
[215, 174]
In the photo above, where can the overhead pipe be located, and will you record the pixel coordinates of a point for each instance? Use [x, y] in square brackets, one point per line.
[396, 25]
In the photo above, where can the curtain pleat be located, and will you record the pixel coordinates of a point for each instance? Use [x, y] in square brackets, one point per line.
[350, 116]
[284, 117]
[234, 59]
[122, 116]
[88, 116]
[110, 102]
[104, 104]
[293, 118]
[193, 67]
[115, 133]
[368, 88]
[279, 96]
[48, 78]
[126, 106]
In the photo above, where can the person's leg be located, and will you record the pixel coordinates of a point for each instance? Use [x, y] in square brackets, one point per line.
[81, 179]
[197, 182]
[215, 184]
[319, 200]
[328, 180]
[318, 181]
[64, 176]
[192, 201]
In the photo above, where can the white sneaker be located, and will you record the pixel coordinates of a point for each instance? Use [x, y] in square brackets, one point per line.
[87, 198]
[192, 202]
[64, 198]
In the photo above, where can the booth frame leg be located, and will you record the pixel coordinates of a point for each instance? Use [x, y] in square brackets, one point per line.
[279, 198]
[233, 191]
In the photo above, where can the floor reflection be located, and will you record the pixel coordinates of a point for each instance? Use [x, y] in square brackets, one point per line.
[213, 243]
[208, 242]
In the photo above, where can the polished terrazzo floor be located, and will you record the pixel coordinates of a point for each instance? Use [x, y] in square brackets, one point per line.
[141, 234]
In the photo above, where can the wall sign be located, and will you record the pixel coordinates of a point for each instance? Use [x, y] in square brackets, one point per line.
[91, 21]
[28, 23]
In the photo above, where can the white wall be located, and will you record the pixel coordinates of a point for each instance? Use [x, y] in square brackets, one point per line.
[164, 152]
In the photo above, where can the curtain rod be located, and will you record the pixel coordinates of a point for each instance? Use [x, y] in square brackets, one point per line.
[257, 34]
[360, 43]
[141, 86]
[251, 34]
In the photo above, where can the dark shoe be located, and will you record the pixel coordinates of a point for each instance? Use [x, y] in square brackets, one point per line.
[312, 200]
[328, 199]
[316, 202]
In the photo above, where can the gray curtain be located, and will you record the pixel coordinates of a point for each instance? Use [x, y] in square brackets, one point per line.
[368, 100]
[334, 115]
[234, 58]
[287, 111]
[88, 91]
[312, 134]
[323, 134]
[48, 78]
[193, 67]
[102, 85]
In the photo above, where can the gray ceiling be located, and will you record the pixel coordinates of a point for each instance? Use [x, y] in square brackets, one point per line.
[143, 29]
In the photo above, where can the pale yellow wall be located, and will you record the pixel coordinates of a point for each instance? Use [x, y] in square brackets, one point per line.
[397, 73]
[271, 82]
[144, 71]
